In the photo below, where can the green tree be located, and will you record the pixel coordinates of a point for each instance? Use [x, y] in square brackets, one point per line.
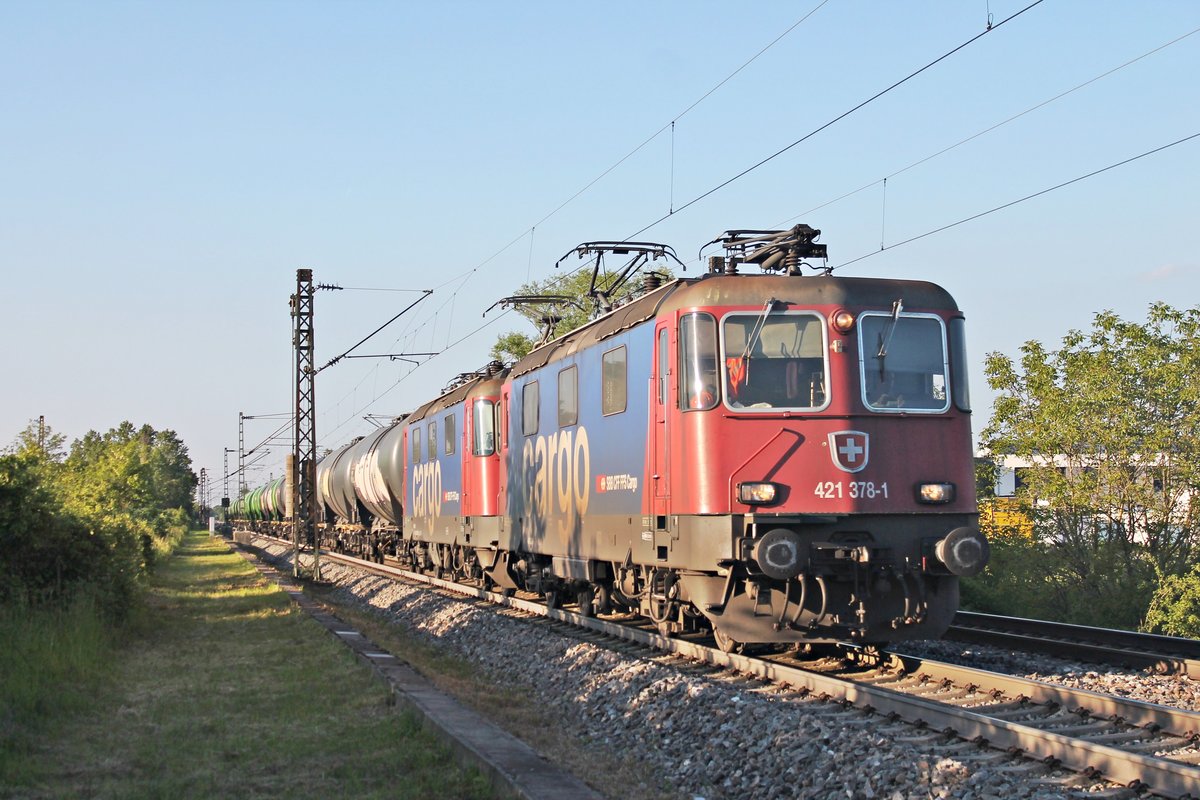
[1110, 426]
[137, 480]
[565, 316]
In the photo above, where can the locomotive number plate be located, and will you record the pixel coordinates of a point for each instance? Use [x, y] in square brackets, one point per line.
[855, 490]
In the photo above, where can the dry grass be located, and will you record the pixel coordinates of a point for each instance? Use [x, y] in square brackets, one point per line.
[226, 690]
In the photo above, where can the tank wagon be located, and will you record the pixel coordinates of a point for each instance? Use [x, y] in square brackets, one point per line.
[778, 457]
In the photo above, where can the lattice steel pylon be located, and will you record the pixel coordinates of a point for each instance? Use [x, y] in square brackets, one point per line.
[202, 490]
[304, 503]
[241, 454]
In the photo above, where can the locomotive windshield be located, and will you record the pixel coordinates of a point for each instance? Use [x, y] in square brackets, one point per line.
[775, 361]
[904, 364]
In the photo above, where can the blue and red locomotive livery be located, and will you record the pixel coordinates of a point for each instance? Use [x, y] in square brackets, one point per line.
[777, 457]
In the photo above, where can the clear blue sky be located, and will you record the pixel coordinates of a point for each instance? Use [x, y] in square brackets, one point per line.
[168, 166]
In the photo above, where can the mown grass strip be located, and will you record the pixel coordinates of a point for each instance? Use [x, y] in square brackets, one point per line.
[227, 690]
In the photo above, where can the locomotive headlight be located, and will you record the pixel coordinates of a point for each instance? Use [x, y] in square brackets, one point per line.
[757, 494]
[842, 321]
[935, 493]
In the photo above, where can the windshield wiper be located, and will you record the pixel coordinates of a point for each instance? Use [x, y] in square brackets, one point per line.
[885, 338]
[761, 323]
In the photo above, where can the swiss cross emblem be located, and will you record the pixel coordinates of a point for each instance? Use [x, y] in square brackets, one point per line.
[849, 450]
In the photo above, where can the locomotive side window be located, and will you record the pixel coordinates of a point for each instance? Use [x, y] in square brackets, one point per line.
[698, 360]
[448, 435]
[903, 362]
[958, 364]
[568, 397]
[614, 384]
[484, 443]
[502, 421]
[432, 441]
[775, 361]
[529, 408]
[415, 433]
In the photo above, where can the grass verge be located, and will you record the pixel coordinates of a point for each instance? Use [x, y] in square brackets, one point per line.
[225, 689]
[510, 705]
[50, 660]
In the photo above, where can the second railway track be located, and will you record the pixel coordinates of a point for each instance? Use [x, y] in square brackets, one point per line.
[1167, 655]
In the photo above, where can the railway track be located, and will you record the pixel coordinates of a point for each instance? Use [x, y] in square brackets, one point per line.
[1145, 747]
[1167, 655]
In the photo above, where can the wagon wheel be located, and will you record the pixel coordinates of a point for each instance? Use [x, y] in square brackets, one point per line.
[602, 602]
[552, 599]
[585, 598]
[594, 599]
[461, 566]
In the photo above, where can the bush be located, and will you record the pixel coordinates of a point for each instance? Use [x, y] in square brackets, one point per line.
[44, 553]
[1028, 577]
[1175, 606]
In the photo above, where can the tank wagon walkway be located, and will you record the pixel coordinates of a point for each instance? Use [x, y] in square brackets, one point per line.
[229, 690]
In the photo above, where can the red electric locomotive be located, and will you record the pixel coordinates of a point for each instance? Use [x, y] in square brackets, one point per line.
[782, 458]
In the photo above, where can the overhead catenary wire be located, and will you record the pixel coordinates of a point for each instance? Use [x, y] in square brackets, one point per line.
[835, 120]
[990, 128]
[425, 293]
[405, 376]
[1012, 203]
[529, 231]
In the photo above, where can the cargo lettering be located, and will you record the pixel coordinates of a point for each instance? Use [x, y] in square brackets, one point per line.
[427, 489]
[557, 472]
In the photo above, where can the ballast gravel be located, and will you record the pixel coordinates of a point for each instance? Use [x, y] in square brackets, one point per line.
[708, 736]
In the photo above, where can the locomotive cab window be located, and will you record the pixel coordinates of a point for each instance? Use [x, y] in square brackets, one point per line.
[415, 433]
[775, 360]
[568, 397]
[448, 435]
[484, 443]
[432, 441]
[903, 362]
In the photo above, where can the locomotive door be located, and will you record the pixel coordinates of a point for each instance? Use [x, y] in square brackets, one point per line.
[467, 464]
[660, 430]
[502, 507]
